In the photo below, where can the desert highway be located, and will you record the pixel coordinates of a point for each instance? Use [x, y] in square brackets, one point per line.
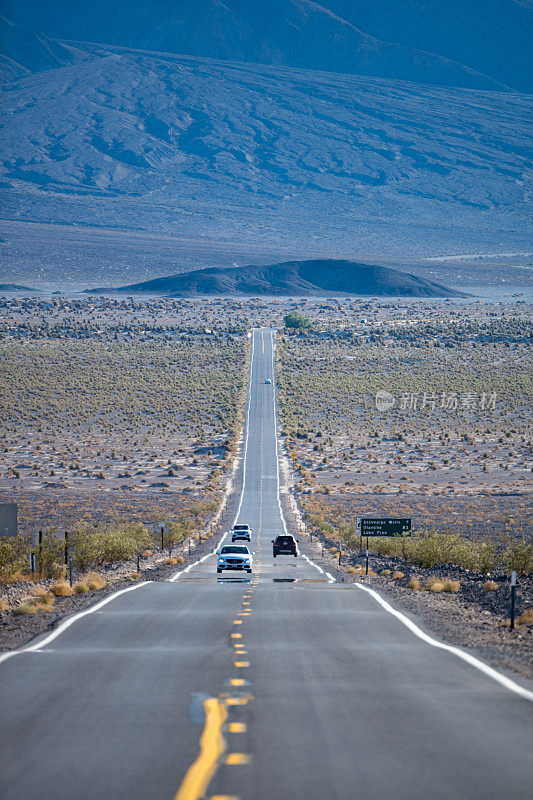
[282, 684]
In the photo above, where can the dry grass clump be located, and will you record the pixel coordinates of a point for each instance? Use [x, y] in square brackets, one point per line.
[179, 559]
[434, 585]
[442, 585]
[81, 587]
[134, 576]
[451, 586]
[95, 581]
[3, 605]
[490, 586]
[147, 554]
[20, 576]
[385, 572]
[42, 600]
[414, 583]
[25, 608]
[61, 589]
[397, 575]
[170, 560]
[527, 617]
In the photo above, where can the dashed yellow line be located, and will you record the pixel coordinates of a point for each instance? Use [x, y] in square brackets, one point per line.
[237, 727]
[237, 758]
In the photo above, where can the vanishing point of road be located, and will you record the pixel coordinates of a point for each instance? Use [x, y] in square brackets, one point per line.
[283, 684]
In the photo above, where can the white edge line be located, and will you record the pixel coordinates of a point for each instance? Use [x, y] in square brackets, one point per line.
[507, 683]
[331, 578]
[34, 648]
[174, 578]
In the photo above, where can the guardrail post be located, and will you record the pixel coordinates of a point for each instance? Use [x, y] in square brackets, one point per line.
[367, 554]
[138, 562]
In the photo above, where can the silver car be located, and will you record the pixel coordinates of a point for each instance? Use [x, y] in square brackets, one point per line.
[234, 556]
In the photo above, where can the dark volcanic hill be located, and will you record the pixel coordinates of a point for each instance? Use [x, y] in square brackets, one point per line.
[294, 278]
[335, 35]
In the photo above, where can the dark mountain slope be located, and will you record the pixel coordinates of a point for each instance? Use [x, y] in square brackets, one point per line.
[294, 278]
[295, 33]
[23, 52]
[281, 162]
[491, 36]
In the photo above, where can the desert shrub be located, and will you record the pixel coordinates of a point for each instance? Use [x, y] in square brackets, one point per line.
[106, 543]
[170, 561]
[487, 557]
[296, 320]
[397, 575]
[520, 558]
[3, 605]
[50, 554]
[81, 587]
[413, 583]
[385, 572]
[490, 586]
[179, 559]
[14, 556]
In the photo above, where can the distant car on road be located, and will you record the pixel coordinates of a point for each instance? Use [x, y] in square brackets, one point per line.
[234, 556]
[268, 380]
[243, 532]
[284, 546]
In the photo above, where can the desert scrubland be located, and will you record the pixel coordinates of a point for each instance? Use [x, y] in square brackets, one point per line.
[113, 425]
[120, 415]
[413, 412]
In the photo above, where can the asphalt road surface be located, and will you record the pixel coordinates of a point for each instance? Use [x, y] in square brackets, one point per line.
[282, 684]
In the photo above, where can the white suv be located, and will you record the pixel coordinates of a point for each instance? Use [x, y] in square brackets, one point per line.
[241, 532]
[234, 556]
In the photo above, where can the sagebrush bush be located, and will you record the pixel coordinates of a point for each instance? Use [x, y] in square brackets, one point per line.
[106, 543]
[520, 558]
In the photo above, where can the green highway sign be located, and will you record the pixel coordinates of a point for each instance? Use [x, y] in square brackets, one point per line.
[383, 526]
